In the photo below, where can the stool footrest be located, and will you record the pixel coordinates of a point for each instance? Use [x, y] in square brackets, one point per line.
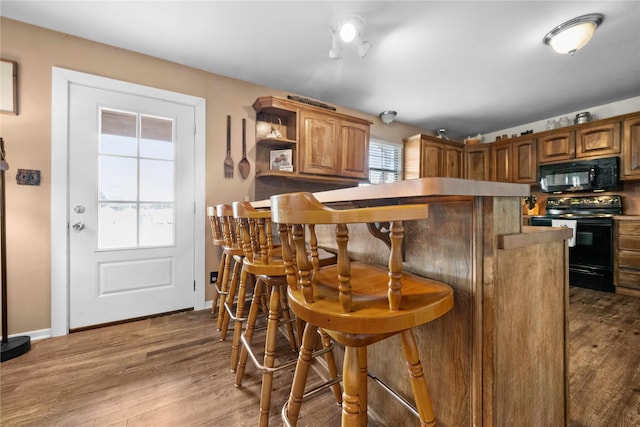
[308, 394]
[404, 402]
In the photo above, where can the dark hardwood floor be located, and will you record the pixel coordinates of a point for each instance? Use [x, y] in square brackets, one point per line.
[173, 371]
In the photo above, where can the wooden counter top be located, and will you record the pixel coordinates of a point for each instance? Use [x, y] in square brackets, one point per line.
[421, 187]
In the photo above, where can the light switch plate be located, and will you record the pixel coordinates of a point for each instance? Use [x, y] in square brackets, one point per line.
[28, 177]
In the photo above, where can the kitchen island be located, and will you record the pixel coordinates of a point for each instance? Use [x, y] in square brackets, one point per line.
[500, 356]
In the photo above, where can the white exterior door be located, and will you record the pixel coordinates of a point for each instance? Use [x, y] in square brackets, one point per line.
[131, 206]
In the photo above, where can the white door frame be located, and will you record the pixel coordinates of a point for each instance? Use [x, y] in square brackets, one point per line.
[61, 79]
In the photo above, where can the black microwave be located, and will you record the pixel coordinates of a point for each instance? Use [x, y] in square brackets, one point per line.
[582, 175]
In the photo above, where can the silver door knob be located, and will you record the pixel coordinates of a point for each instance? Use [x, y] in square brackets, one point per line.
[78, 226]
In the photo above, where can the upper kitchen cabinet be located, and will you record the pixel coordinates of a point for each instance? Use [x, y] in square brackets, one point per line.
[631, 149]
[590, 140]
[598, 140]
[514, 161]
[333, 146]
[477, 162]
[501, 163]
[525, 161]
[324, 145]
[428, 156]
[556, 146]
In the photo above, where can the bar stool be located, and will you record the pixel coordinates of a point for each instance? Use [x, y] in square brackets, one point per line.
[356, 303]
[270, 272]
[217, 238]
[231, 253]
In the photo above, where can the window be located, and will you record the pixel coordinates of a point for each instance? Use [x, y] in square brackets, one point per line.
[135, 180]
[385, 162]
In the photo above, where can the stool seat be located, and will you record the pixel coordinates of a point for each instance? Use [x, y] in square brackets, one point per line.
[422, 301]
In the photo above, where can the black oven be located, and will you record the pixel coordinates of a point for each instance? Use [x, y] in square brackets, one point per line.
[591, 257]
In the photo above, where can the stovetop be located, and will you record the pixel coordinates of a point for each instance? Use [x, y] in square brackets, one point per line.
[583, 207]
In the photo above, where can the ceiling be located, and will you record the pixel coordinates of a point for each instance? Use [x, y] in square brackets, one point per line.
[467, 66]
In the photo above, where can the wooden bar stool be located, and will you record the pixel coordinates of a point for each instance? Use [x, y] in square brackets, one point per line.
[231, 253]
[267, 266]
[217, 240]
[357, 304]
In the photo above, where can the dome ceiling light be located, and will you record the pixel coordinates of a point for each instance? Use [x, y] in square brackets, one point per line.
[388, 116]
[348, 30]
[570, 36]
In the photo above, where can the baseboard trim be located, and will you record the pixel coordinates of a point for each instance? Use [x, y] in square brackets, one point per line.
[38, 335]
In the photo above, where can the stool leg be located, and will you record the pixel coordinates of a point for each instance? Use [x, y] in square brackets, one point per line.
[301, 373]
[286, 317]
[231, 297]
[237, 328]
[418, 382]
[216, 294]
[351, 384]
[362, 373]
[248, 333]
[223, 288]
[269, 355]
[331, 365]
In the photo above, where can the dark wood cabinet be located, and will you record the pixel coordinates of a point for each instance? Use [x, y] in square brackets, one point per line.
[477, 162]
[631, 148]
[556, 146]
[598, 140]
[326, 146]
[627, 257]
[524, 161]
[431, 157]
[501, 166]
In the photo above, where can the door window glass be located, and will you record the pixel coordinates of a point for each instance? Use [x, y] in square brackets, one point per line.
[135, 180]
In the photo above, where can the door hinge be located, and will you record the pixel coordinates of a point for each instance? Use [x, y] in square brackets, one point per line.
[195, 128]
[194, 286]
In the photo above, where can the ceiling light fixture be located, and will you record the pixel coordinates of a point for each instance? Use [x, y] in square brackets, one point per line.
[574, 34]
[388, 116]
[348, 30]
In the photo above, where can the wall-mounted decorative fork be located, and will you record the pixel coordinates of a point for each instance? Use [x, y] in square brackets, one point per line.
[228, 162]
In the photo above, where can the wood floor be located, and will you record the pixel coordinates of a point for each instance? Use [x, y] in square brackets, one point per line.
[173, 371]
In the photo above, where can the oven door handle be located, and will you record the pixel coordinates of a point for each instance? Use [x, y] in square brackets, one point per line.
[585, 271]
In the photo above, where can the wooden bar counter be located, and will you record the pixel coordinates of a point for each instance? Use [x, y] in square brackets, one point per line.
[499, 358]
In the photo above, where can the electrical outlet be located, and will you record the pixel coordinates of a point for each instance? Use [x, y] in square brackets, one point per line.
[213, 277]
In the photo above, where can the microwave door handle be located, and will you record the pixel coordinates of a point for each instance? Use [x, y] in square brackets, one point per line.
[592, 176]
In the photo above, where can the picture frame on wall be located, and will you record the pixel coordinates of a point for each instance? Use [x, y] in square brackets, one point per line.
[8, 87]
[281, 160]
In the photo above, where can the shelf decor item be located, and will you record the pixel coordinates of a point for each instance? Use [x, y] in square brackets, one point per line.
[281, 160]
[275, 132]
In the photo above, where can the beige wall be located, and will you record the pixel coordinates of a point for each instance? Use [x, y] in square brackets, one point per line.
[28, 143]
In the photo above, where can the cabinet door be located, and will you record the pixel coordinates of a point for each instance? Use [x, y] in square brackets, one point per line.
[501, 162]
[600, 140]
[354, 147]
[318, 144]
[452, 161]
[631, 148]
[525, 161]
[477, 162]
[556, 147]
[432, 159]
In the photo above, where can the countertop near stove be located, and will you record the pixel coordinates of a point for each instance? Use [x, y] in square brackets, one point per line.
[500, 356]
[627, 217]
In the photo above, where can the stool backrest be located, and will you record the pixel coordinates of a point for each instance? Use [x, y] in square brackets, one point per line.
[295, 212]
[215, 226]
[255, 232]
[230, 232]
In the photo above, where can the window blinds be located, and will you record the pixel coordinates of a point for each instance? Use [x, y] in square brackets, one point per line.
[385, 162]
